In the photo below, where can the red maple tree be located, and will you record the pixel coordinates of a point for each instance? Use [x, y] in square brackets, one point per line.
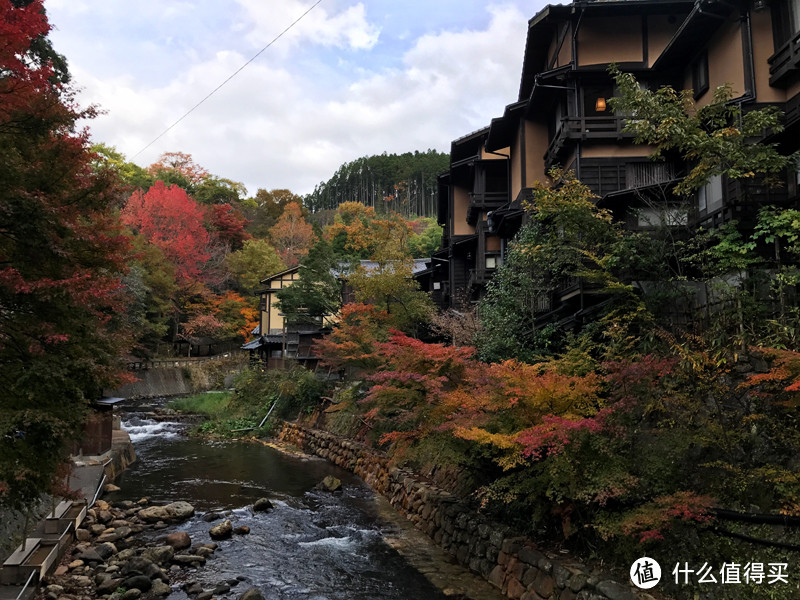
[62, 254]
[171, 220]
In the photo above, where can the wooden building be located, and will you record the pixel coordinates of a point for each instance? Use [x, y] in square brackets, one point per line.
[561, 118]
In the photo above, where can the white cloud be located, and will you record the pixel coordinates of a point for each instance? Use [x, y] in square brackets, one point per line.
[290, 119]
[347, 28]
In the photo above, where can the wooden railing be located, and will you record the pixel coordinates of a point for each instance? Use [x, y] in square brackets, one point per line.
[785, 60]
[177, 363]
[585, 128]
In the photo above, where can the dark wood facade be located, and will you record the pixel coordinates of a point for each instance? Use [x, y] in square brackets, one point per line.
[561, 118]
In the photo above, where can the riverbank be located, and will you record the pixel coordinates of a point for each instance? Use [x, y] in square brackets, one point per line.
[513, 564]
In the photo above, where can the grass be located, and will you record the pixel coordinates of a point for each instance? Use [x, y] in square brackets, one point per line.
[213, 404]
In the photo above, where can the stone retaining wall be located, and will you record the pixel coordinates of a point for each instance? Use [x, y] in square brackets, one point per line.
[510, 562]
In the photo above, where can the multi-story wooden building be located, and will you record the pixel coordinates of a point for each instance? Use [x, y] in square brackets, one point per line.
[561, 118]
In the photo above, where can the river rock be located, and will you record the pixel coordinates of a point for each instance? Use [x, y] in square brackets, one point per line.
[211, 516]
[140, 582]
[111, 536]
[193, 588]
[262, 505]
[132, 594]
[221, 589]
[252, 594]
[160, 588]
[188, 559]
[104, 516]
[54, 590]
[242, 530]
[173, 512]
[81, 581]
[330, 484]
[108, 585]
[179, 540]
[75, 564]
[90, 555]
[110, 487]
[204, 552]
[221, 531]
[137, 565]
[106, 550]
[83, 535]
[97, 529]
[159, 554]
[205, 596]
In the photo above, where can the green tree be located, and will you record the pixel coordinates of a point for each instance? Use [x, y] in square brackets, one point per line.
[318, 291]
[567, 237]
[716, 138]
[255, 261]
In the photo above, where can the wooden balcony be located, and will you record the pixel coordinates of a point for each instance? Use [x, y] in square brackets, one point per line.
[585, 128]
[481, 202]
[785, 62]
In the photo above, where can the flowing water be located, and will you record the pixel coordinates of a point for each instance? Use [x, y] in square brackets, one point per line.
[312, 546]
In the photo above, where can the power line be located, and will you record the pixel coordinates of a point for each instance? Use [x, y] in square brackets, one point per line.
[234, 74]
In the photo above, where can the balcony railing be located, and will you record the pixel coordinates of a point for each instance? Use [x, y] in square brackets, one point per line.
[784, 61]
[480, 202]
[584, 128]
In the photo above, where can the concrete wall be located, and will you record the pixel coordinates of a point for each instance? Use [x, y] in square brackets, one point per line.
[510, 562]
[154, 383]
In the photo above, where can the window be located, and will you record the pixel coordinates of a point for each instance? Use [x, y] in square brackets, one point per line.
[785, 21]
[595, 98]
[709, 197]
[665, 216]
[700, 75]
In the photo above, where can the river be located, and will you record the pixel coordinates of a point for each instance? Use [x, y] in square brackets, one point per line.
[313, 545]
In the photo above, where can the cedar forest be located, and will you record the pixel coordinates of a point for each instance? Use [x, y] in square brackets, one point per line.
[640, 434]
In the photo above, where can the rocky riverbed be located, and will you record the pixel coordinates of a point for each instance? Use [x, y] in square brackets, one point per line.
[119, 555]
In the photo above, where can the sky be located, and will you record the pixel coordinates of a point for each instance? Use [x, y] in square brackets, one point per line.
[350, 79]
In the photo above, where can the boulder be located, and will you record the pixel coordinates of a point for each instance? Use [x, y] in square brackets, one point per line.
[179, 540]
[110, 487]
[90, 555]
[138, 565]
[160, 588]
[262, 505]
[108, 586]
[106, 550]
[188, 559]
[159, 554]
[83, 535]
[330, 484]
[252, 594]
[242, 530]
[140, 582]
[221, 531]
[211, 516]
[173, 512]
[132, 594]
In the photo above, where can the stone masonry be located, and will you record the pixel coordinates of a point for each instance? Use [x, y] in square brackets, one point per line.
[514, 564]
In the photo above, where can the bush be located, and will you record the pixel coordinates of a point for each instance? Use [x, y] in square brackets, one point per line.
[296, 391]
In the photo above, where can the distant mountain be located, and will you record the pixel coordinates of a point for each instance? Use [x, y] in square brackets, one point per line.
[404, 183]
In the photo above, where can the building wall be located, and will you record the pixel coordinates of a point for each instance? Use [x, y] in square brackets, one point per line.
[660, 29]
[725, 63]
[610, 39]
[761, 24]
[615, 151]
[460, 206]
[271, 321]
[516, 167]
[536, 146]
[495, 155]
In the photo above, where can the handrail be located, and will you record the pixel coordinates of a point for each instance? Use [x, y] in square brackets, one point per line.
[25, 587]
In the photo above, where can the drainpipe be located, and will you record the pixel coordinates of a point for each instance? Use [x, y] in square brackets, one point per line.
[749, 65]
